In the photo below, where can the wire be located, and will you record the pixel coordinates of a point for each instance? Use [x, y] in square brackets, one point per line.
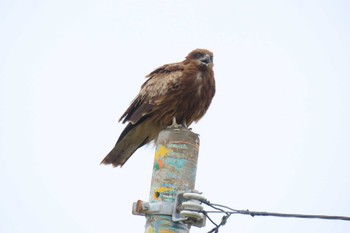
[327, 217]
[205, 213]
[257, 213]
[228, 211]
[218, 210]
[222, 206]
[223, 222]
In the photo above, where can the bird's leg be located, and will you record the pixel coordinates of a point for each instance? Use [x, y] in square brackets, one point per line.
[174, 124]
[185, 125]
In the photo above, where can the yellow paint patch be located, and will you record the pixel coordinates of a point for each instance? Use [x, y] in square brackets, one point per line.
[160, 190]
[150, 229]
[162, 151]
[166, 231]
[163, 189]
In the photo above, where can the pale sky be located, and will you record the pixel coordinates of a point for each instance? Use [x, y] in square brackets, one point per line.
[276, 137]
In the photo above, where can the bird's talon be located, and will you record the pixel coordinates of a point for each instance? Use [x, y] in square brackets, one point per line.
[174, 124]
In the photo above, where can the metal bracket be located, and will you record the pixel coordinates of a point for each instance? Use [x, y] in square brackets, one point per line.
[158, 208]
[186, 208]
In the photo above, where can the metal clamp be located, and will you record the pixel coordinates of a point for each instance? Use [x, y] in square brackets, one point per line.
[186, 208]
[158, 208]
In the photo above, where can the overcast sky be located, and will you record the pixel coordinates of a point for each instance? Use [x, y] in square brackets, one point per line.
[276, 137]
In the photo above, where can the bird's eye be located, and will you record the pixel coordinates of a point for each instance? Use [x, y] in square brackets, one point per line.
[197, 55]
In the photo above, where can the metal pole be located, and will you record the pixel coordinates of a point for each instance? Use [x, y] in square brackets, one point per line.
[174, 170]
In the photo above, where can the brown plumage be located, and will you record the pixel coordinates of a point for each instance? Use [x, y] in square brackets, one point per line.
[183, 90]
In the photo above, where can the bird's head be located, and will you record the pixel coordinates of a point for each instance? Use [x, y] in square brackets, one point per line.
[201, 56]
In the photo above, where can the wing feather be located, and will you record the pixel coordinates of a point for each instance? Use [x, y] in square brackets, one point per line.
[161, 82]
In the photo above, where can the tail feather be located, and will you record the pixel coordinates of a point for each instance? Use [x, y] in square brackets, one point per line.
[121, 153]
[132, 138]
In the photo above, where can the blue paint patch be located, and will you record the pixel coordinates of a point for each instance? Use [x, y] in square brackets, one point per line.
[177, 163]
[167, 185]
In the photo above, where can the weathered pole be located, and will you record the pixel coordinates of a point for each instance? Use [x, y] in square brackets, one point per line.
[174, 170]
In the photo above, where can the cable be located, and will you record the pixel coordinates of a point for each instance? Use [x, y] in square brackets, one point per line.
[327, 217]
[205, 213]
[228, 211]
[222, 206]
[223, 222]
[257, 213]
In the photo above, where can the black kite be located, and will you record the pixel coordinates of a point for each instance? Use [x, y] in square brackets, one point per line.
[181, 91]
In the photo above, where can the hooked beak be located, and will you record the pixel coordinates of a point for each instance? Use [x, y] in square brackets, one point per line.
[207, 59]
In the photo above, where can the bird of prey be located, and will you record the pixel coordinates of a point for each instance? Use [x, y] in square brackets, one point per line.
[177, 92]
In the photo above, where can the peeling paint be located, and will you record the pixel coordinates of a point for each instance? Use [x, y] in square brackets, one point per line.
[159, 155]
[161, 151]
[166, 231]
[158, 164]
[174, 169]
[163, 224]
[163, 189]
[177, 163]
[177, 146]
[164, 193]
[149, 229]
